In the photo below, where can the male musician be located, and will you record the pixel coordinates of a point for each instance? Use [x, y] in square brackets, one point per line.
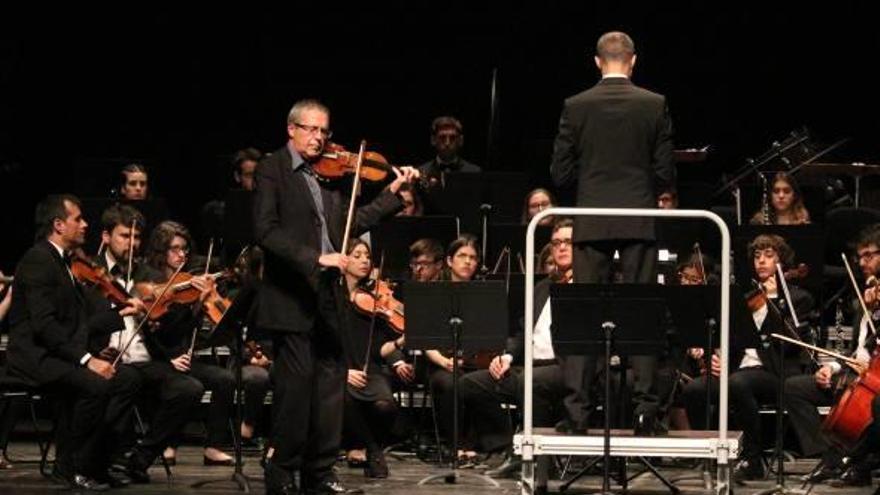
[426, 260]
[615, 142]
[804, 393]
[50, 320]
[178, 395]
[299, 222]
[483, 391]
[447, 138]
[755, 372]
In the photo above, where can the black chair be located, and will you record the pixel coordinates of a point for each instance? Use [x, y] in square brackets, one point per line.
[14, 390]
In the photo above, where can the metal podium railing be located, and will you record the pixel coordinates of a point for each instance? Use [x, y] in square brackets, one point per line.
[527, 443]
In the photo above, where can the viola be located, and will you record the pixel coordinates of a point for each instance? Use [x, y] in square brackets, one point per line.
[180, 290]
[91, 274]
[378, 298]
[215, 306]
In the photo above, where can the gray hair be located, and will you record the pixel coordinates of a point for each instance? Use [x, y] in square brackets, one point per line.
[302, 105]
[615, 46]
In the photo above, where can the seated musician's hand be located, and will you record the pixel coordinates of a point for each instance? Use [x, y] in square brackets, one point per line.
[870, 297]
[823, 377]
[203, 283]
[133, 307]
[109, 354]
[448, 364]
[696, 352]
[770, 285]
[333, 260]
[861, 366]
[405, 372]
[357, 379]
[262, 361]
[101, 367]
[182, 363]
[404, 174]
[716, 365]
[499, 367]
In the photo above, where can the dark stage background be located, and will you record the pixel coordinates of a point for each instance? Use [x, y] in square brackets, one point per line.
[83, 92]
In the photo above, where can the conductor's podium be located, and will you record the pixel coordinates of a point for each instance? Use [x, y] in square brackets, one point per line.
[676, 443]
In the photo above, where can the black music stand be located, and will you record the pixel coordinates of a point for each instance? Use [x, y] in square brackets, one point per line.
[238, 222]
[513, 237]
[231, 328]
[393, 237]
[593, 319]
[463, 316]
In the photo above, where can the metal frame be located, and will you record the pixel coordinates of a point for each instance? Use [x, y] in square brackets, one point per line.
[532, 443]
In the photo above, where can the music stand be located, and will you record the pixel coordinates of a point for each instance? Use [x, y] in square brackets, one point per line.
[238, 222]
[513, 237]
[393, 237]
[463, 316]
[589, 318]
[230, 328]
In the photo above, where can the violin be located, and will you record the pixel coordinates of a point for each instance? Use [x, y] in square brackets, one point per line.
[378, 297]
[180, 290]
[91, 274]
[336, 163]
[215, 306]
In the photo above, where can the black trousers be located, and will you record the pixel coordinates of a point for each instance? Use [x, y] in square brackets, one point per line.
[440, 385]
[592, 264]
[802, 397]
[221, 383]
[369, 416]
[255, 381]
[748, 389]
[483, 396]
[309, 377]
[88, 411]
[175, 396]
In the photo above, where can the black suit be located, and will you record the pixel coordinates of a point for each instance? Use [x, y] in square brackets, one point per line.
[50, 326]
[615, 142]
[297, 302]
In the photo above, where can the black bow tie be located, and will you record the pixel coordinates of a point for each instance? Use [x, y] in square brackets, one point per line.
[116, 271]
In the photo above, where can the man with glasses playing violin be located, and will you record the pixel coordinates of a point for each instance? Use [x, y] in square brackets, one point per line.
[51, 319]
[803, 394]
[300, 223]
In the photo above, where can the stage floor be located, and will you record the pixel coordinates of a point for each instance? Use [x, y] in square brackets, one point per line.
[406, 471]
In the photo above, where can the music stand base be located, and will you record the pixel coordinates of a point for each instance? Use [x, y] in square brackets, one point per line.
[453, 475]
[240, 479]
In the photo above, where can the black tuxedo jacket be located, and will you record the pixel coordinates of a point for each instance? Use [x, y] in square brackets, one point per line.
[287, 227]
[50, 317]
[516, 344]
[615, 143]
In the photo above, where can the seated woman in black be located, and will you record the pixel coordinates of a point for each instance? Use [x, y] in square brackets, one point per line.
[370, 409]
[168, 248]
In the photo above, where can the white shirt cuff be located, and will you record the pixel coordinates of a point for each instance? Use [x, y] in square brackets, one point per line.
[85, 359]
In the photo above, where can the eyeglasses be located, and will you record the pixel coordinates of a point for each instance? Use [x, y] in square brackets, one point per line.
[313, 129]
[179, 250]
[557, 243]
[867, 255]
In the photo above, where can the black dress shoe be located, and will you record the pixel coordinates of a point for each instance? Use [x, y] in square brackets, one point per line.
[82, 482]
[278, 481]
[853, 476]
[570, 428]
[331, 487]
[113, 480]
[824, 474]
[376, 467]
[646, 425]
[510, 468]
[135, 467]
[749, 469]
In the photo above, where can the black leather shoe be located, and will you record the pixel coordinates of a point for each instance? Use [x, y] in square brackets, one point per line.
[751, 469]
[510, 468]
[113, 480]
[570, 428]
[135, 467]
[81, 482]
[278, 481]
[646, 425]
[853, 476]
[376, 467]
[331, 487]
[824, 474]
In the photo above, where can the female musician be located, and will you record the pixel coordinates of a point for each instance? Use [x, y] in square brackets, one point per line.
[462, 260]
[412, 202]
[806, 392]
[537, 200]
[786, 205]
[754, 371]
[168, 249]
[369, 406]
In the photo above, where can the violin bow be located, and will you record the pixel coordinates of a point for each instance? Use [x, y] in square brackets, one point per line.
[852, 279]
[130, 255]
[195, 332]
[373, 315]
[791, 310]
[354, 191]
[146, 317]
[702, 266]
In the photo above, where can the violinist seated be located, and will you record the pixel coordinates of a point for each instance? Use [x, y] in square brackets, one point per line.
[755, 372]
[804, 393]
[173, 395]
[51, 317]
[483, 391]
[174, 334]
[370, 409]
[785, 205]
[462, 260]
